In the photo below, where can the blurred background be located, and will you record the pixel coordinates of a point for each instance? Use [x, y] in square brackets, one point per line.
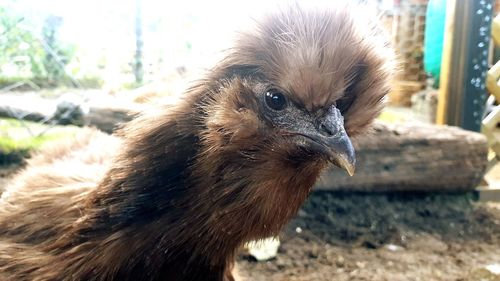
[116, 44]
[424, 202]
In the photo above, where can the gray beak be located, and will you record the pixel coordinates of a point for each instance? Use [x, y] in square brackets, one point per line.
[338, 149]
[331, 140]
[342, 153]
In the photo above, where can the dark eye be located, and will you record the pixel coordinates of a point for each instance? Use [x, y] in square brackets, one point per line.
[275, 100]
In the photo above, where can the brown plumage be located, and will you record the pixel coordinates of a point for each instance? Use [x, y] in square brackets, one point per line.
[184, 186]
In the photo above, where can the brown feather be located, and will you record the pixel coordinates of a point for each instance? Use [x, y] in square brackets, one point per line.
[185, 185]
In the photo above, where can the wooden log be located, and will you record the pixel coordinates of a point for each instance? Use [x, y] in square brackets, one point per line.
[395, 157]
[107, 119]
[13, 112]
[104, 113]
[414, 158]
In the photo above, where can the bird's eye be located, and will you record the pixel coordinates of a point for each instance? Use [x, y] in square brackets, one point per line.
[275, 100]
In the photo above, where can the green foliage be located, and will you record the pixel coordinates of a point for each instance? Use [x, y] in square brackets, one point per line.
[19, 53]
[24, 55]
[92, 82]
[56, 57]
[16, 142]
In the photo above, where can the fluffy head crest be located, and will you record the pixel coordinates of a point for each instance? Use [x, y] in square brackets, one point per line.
[320, 57]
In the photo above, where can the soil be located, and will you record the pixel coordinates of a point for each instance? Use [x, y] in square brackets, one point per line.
[390, 236]
[381, 236]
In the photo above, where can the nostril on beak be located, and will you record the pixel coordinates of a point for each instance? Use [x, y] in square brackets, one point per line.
[326, 130]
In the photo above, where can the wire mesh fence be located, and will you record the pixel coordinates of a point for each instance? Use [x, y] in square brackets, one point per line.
[40, 62]
[55, 73]
[110, 46]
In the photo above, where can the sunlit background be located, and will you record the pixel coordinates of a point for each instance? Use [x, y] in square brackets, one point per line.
[66, 65]
[96, 41]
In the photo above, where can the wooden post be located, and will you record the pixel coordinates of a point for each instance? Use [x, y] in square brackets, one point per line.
[413, 157]
[442, 107]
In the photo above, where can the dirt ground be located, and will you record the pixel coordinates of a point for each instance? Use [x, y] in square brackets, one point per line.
[402, 236]
[341, 236]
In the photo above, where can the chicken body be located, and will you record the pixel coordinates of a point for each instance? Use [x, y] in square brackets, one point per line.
[185, 185]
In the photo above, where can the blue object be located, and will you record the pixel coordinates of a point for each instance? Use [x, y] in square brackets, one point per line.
[433, 38]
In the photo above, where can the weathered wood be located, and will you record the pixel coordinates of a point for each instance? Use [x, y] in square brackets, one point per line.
[395, 157]
[107, 119]
[12, 112]
[485, 194]
[414, 158]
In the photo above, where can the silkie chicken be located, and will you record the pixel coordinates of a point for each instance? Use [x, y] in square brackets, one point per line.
[182, 187]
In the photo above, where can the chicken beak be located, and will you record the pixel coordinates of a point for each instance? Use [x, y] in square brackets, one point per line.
[338, 149]
[341, 153]
[333, 135]
[330, 139]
